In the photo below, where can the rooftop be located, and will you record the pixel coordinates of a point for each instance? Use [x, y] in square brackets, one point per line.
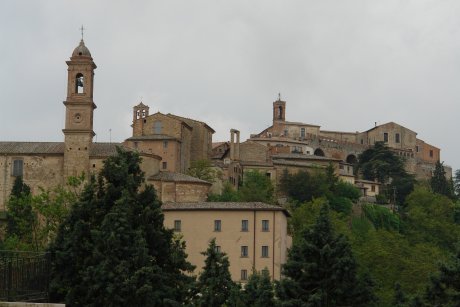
[57, 148]
[176, 177]
[231, 206]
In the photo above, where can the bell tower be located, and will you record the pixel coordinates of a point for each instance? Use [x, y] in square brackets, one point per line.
[78, 131]
[279, 110]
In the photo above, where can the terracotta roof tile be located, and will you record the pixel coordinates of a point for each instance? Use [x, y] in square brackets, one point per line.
[176, 177]
[246, 206]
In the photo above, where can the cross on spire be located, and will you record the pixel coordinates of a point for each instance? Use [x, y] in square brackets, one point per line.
[279, 96]
[82, 29]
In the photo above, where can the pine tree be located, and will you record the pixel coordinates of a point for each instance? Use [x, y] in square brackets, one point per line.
[321, 270]
[21, 219]
[444, 289]
[113, 249]
[215, 283]
[259, 291]
[439, 183]
[399, 299]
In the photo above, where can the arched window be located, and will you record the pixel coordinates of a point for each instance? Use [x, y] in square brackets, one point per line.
[319, 152]
[137, 114]
[280, 112]
[352, 159]
[79, 84]
[143, 113]
[157, 127]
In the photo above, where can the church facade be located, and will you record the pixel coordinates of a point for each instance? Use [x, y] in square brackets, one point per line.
[49, 164]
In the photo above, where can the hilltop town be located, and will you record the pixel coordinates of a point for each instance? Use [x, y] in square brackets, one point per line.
[255, 234]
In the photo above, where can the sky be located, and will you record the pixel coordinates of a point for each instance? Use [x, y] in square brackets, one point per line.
[343, 65]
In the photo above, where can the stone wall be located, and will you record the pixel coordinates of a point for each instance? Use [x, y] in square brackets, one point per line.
[44, 171]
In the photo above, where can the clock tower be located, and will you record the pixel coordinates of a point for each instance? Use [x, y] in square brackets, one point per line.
[80, 106]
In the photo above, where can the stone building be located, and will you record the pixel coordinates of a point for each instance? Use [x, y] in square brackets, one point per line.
[177, 140]
[49, 164]
[253, 235]
[167, 146]
[296, 137]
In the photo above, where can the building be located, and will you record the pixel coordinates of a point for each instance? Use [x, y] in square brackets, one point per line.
[177, 140]
[307, 139]
[163, 141]
[253, 235]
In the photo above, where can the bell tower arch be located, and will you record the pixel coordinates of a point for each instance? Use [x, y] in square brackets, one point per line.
[279, 110]
[79, 104]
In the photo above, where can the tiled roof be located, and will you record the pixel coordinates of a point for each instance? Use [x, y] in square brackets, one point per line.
[300, 124]
[35, 148]
[31, 148]
[190, 119]
[176, 177]
[151, 137]
[302, 157]
[256, 163]
[104, 149]
[246, 206]
[296, 163]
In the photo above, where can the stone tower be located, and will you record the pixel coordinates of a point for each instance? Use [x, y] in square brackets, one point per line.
[79, 105]
[279, 110]
[140, 112]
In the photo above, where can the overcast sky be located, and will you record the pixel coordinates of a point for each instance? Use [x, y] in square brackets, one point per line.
[339, 64]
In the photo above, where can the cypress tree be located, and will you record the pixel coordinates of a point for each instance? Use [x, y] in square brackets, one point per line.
[113, 249]
[215, 283]
[444, 289]
[321, 270]
[259, 291]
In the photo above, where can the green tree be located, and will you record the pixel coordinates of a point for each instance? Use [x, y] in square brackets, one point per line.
[303, 186]
[399, 299]
[321, 269]
[21, 218]
[431, 218]
[215, 283]
[381, 163]
[256, 187]
[202, 169]
[439, 183]
[113, 250]
[259, 291]
[457, 182]
[444, 289]
[228, 194]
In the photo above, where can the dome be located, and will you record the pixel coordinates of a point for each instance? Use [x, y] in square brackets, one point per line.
[81, 50]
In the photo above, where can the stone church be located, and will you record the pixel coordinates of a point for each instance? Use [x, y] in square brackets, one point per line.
[49, 164]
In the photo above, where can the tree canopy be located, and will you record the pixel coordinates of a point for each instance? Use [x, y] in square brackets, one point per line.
[113, 250]
[321, 270]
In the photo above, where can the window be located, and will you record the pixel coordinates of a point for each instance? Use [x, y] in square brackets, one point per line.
[264, 251]
[165, 144]
[431, 153]
[218, 249]
[18, 168]
[302, 132]
[362, 141]
[269, 175]
[79, 83]
[217, 225]
[177, 225]
[373, 188]
[244, 225]
[244, 274]
[164, 165]
[416, 148]
[265, 225]
[157, 127]
[136, 145]
[244, 251]
[385, 137]
[397, 138]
